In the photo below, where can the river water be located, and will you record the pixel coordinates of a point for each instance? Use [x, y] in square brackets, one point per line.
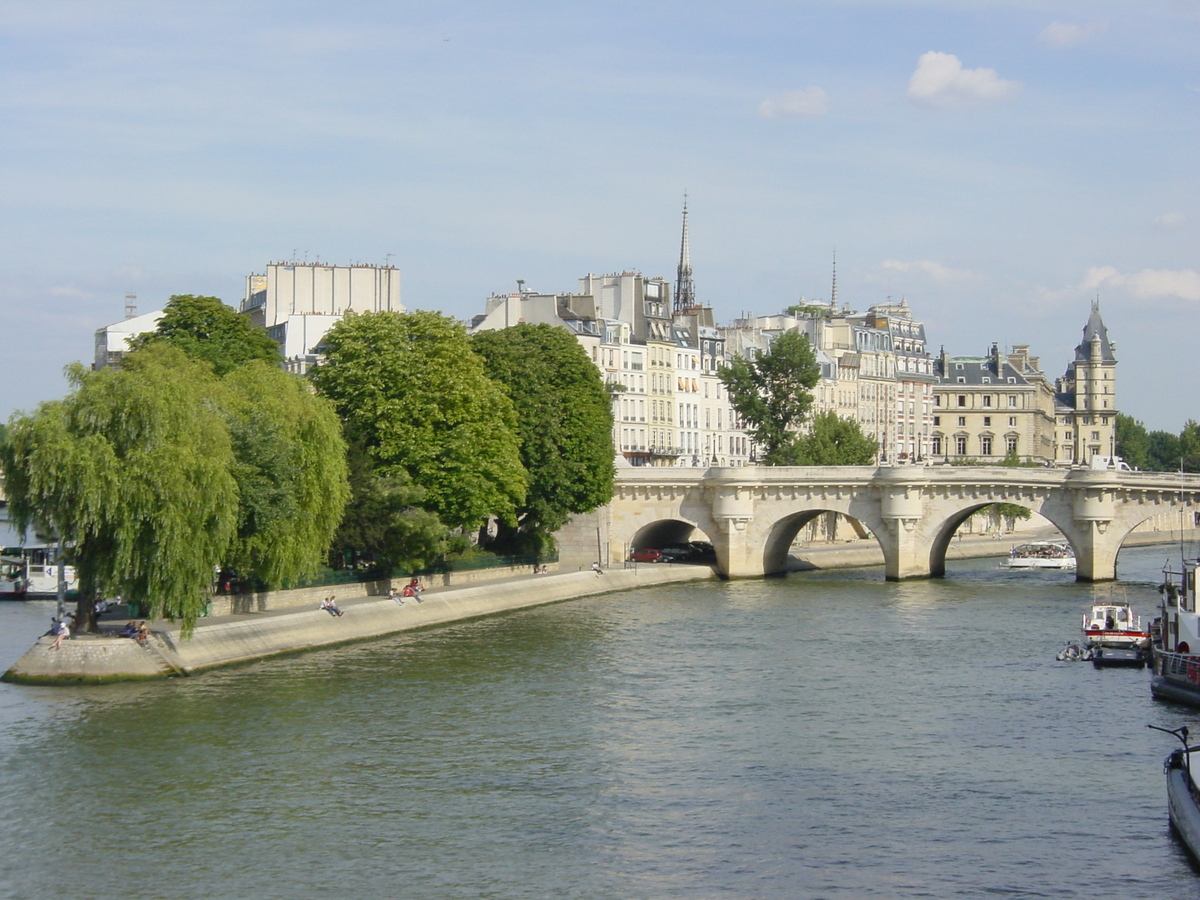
[824, 735]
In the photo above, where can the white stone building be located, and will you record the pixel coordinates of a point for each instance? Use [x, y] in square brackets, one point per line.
[297, 303]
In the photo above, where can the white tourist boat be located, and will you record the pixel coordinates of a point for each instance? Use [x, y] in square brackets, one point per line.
[28, 572]
[1041, 555]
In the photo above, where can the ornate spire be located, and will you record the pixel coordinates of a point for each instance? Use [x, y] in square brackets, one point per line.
[685, 291]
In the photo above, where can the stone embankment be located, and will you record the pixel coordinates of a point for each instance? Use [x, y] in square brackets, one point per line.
[225, 640]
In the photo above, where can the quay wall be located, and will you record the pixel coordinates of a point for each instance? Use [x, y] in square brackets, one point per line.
[251, 602]
[226, 640]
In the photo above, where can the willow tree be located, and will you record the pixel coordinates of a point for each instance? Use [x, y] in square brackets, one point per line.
[411, 392]
[564, 421]
[290, 469]
[134, 469]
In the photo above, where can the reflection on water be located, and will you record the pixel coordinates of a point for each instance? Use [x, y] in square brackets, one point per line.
[823, 735]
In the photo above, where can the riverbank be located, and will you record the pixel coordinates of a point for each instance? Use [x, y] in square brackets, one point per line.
[226, 640]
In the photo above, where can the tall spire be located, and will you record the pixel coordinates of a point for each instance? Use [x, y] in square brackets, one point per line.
[833, 295]
[685, 291]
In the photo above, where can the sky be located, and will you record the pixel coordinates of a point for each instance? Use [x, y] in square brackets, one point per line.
[1001, 164]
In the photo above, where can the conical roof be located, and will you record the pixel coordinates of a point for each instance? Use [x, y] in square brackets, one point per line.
[1092, 330]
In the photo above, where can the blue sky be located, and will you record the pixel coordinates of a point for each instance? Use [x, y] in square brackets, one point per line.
[1000, 164]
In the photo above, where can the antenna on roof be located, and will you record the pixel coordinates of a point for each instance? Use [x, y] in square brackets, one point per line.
[130, 305]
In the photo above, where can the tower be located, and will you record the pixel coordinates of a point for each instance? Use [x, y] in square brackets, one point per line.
[685, 291]
[1092, 378]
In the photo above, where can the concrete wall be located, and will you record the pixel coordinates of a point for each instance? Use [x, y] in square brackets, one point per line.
[222, 641]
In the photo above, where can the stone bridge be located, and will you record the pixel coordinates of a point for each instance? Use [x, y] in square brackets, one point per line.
[752, 514]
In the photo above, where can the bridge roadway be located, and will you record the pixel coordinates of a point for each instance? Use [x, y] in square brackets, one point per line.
[752, 514]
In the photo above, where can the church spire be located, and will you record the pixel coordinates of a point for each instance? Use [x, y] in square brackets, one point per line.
[685, 291]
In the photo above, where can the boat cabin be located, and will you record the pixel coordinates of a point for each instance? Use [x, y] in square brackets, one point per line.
[1180, 622]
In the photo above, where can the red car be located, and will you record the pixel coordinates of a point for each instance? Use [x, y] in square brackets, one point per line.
[649, 554]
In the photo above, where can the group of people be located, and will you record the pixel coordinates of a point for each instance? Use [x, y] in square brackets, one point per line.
[412, 589]
[329, 604]
[137, 631]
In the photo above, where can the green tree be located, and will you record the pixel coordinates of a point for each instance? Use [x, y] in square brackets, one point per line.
[1189, 446]
[834, 441]
[1133, 442]
[409, 389]
[1007, 514]
[290, 468]
[564, 420]
[384, 525]
[205, 328]
[134, 469]
[772, 392]
[1166, 453]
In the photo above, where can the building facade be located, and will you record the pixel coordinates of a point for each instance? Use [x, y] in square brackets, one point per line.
[297, 303]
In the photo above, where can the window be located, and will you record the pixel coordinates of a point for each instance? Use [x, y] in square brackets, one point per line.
[960, 445]
[937, 420]
[987, 421]
[937, 450]
[1012, 421]
[1010, 444]
[1012, 401]
[1095, 435]
[987, 399]
[937, 400]
[962, 399]
[962, 421]
[985, 446]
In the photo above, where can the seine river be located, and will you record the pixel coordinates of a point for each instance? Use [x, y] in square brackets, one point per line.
[825, 735]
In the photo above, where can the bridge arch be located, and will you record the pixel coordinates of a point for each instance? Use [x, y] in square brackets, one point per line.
[665, 532]
[944, 531]
[782, 534]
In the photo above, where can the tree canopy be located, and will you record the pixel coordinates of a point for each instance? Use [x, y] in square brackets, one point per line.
[384, 526]
[158, 471]
[1158, 451]
[134, 469]
[833, 441]
[564, 421]
[772, 392]
[411, 392]
[206, 328]
[290, 468]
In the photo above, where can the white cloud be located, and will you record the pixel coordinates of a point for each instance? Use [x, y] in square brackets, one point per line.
[940, 80]
[68, 291]
[1061, 34]
[928, 268]
[1148, 284]
[1171, 220]
[812, 101]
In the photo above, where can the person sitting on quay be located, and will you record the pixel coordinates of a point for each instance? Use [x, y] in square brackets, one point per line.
[329, 604]
[596, 568]
[61, 632]
[394, 594]
[413, 589]
[143, 634]
[130, 630]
